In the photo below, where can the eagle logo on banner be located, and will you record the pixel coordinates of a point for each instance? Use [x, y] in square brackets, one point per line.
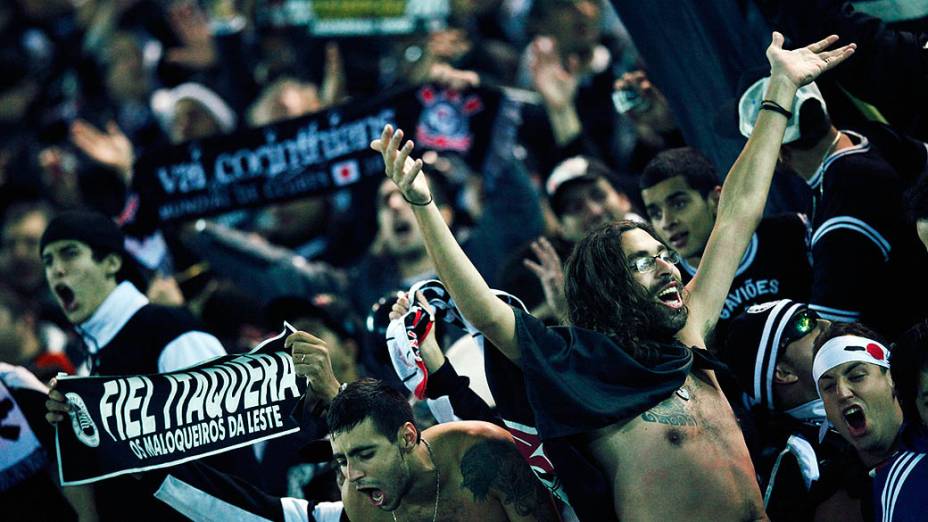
[445, 120]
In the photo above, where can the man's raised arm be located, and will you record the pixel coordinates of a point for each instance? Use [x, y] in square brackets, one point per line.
[744, 192]
[485, 311]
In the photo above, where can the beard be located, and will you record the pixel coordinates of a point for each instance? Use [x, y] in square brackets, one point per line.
[672, 321]
[668, 321]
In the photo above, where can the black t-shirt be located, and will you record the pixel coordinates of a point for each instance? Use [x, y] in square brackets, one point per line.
[578, 380]
[776, 265]
[866, 256]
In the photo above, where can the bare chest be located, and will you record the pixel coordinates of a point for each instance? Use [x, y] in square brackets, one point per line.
[695, 412]
[685, 452]
[454, 504]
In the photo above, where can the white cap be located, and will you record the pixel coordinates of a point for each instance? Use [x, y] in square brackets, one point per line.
[749, 107]
[570, 169]
[164, 103]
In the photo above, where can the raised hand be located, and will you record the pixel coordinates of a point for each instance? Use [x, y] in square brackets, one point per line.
[551, 275]
[311, 360]
[429, 350]
[455, 78]
[191, 25]
[652, 116]
[401, 168]
[802, 66]
[111, 148]
[557, 85]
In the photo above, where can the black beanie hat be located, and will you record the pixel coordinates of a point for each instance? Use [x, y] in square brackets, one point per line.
[753, 346]
[99, 233]
[91, 228]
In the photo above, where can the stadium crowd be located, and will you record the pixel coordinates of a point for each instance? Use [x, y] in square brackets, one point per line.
[581, 316]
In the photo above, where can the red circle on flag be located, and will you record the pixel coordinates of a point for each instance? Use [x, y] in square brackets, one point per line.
[875, 351]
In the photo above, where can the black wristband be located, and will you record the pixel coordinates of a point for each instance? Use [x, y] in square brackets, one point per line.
[413, 203]
[771, 105]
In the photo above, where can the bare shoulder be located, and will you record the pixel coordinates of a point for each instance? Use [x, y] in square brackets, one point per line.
[492, 469]
[463, 434]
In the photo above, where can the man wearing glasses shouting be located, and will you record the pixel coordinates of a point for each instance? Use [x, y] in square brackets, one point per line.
[630, 383]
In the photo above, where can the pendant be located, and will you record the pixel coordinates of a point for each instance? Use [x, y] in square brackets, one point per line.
[683, 393]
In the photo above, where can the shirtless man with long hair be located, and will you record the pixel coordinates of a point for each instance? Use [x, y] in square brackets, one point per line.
[630, 382]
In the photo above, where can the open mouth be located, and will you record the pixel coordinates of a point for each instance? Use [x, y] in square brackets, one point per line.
[401, 228]
[678, 240]
[374, 494]
[670, 296]
[66, 296]
[856, 420]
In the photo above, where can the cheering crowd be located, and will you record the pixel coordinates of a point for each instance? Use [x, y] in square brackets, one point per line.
[583, 317]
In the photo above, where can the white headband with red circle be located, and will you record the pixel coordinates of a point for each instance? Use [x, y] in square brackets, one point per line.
[848, 348]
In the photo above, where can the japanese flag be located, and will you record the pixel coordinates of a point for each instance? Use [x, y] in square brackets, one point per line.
[345, 172]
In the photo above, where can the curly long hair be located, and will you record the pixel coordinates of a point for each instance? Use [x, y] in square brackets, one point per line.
[603, 296]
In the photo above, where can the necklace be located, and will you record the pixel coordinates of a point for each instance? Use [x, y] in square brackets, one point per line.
[821, 172]
[437, 483]
[831, 149]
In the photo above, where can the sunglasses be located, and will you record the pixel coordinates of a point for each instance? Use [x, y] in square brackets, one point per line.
[799, 326]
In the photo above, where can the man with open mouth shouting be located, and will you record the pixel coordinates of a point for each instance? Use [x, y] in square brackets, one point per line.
[92, 277]
[851, 370]
[453, 471]
[94, 280]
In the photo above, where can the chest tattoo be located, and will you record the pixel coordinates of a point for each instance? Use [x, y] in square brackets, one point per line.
[670, 412]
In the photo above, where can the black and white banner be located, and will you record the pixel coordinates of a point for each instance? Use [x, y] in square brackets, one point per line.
[128, 424]
[305, 156]
[21, 453]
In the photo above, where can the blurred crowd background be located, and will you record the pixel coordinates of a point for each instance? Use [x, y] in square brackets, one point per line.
[89, 86]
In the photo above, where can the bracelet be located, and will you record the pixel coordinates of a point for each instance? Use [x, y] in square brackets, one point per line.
[771, 105]
[413, 203]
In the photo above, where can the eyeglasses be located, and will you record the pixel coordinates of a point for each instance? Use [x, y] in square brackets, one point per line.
[646, 264]
[799, 326]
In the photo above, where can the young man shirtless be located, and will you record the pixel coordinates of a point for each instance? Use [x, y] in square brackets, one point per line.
[453, 471]
[388, 469]
[621, 381]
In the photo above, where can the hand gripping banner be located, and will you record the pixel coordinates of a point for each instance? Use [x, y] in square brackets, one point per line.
[406, 333]
[128, 424]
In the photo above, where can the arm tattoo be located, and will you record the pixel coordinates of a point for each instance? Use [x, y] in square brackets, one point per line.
[494, 466]
[670, 412]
